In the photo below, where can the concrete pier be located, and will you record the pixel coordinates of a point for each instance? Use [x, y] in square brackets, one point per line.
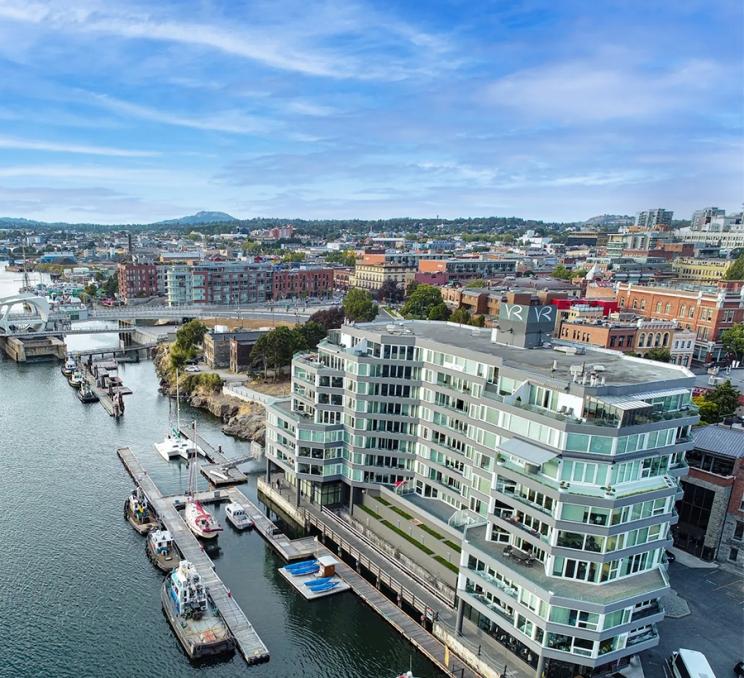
[247, 639]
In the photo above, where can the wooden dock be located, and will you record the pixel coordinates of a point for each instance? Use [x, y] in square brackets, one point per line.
[215, 472]
[103, 395]
[247, 639]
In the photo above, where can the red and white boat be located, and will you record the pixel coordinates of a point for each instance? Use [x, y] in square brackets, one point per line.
[200, 521]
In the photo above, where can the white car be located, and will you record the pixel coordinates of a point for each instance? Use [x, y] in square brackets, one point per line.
[192, 368]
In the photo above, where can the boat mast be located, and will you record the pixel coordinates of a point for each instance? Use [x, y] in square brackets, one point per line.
[192, 467]
[178, 408]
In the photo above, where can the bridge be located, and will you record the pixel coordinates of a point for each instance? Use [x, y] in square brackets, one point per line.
[248, 312]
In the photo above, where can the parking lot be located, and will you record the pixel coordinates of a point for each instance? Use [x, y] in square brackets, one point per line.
[715, 625]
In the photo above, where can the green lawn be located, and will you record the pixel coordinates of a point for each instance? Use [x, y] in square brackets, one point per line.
[366, 509]
[446, 563]
[407, 537]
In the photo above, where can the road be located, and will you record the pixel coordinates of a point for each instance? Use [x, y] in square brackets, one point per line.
[714, 627]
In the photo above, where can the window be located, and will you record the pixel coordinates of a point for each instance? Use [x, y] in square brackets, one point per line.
[733, 554]
[739, 531]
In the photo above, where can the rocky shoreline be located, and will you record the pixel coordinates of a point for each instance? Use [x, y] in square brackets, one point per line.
[245, 421]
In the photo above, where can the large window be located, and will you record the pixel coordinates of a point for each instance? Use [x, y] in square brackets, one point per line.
[694, 509]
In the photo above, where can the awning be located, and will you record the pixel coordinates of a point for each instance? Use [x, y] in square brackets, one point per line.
[661, 394]
[527, 451]
[622, 402]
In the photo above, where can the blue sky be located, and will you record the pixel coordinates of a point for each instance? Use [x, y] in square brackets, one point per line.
[117, 111]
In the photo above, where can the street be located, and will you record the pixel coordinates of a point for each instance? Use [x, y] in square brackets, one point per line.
[715, 626]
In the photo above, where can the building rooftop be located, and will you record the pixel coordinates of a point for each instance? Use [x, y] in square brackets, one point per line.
[619, 369]
[724, 440]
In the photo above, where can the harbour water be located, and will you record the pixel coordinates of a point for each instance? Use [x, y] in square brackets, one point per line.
[78, 596]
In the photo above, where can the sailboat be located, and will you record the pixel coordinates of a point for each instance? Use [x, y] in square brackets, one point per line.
[175, 444]
[200, 521]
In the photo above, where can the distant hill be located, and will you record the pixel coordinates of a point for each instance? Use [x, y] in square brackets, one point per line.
[197, 219]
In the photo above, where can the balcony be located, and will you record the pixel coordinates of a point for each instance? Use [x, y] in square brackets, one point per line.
[470, 589]
[651, 634]
[649, 611]
[513, 494]
[497, 583]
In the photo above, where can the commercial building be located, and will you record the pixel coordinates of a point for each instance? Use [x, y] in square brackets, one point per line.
[373, 275]
[554, 472]
[461, 270]
[706, 310]
[655, 217]
[701, 270]
[218, 351]
[711, 512]
[306, 281]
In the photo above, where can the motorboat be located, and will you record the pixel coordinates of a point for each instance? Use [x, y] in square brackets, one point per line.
[138, 512]
[86, 394]
[237, 516]
[193, 616]
[76, 379]
[69, 366]
[161, 550]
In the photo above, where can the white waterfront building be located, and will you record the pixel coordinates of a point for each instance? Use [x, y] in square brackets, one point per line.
[557, 466]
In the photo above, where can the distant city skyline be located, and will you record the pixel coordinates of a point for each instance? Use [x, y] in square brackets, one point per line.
[128, 112]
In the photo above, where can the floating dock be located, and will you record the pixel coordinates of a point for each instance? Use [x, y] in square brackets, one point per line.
[108, 397]
[315, 578]
[247, 639]
[218, 471]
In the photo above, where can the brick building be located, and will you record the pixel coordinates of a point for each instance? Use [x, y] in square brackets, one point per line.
[140, 280]
[706, 310]
[302, 282]
[711, 512]
[218, 349]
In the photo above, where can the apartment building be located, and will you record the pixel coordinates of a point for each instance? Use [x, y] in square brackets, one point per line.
[706, 310]
[654, 217]
[711, 512]
[140, 280]
[702, 270]
[307, 281]
[462, 270]
[555, 470]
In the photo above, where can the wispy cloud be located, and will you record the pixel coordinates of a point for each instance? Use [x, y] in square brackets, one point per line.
[233, 121]
[82, 149]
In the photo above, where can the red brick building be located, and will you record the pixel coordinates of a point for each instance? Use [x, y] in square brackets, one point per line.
[707, 311]
[140, 280]
[302, 282]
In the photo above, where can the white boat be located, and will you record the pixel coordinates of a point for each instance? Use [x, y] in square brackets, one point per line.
[76, 379]
[236, 514]
[175, 444]
[69, 367]
[200, 521]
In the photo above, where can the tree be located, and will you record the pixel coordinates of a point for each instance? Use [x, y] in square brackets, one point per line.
[736, 270]
[308, 335]
[660, 354]
[390, 291]
[190, 335]
[359, 307]
[421, 303]
[293, 257]
[274, 349]
[346, 258]
[461, 316]
[330, 318]
[718, 403]
[438, 312]
[478, 282]
[178, 356]
[733, 341]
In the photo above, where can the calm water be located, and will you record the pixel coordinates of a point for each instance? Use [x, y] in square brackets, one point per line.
[77, 595]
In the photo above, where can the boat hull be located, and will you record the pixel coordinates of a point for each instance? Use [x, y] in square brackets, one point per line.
[239, 525]
[196, 644]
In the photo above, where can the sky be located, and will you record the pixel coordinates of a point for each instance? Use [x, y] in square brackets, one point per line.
[124, 111]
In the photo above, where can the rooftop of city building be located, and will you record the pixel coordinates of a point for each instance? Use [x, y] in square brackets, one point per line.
[548, 362]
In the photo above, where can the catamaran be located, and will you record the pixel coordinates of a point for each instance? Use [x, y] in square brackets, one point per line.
[175, 443]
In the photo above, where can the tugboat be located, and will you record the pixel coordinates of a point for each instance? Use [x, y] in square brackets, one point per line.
[200, 521]
[76, 379]
[137, 511]
[69, 366]
[86, 394]
[161, 550]
[192, 615]
[237, 516]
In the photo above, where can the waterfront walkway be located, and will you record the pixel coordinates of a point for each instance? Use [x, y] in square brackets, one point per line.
[247, 639]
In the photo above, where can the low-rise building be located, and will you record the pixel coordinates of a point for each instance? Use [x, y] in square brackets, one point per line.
[711, 512]
[703, 270]
[306, 281]
[217, 346]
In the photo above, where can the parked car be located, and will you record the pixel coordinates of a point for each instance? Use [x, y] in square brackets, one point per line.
[192, 368]
[670, 557]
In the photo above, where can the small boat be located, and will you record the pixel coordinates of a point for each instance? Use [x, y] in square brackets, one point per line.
[161, 550]
[69, 366]
[76, 379]
[175, 445]
[191, 613]
[86, 394]
[236, 514]
[200, 521]
[138, 512]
